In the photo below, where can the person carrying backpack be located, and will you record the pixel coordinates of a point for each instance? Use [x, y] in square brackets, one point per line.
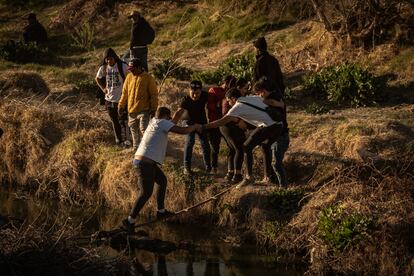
[110, 79]
[142, 34]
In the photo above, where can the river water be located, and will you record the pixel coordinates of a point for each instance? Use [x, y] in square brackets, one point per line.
[207, 255]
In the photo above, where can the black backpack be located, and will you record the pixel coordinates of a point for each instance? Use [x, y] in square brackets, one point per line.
[274, 113]
[147, 32]
[99, 93]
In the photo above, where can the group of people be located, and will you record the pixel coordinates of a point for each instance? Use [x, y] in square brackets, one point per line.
[231, 113]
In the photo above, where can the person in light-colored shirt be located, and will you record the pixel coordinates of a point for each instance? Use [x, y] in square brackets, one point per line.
[110, 79]
[149, 155]
[250, 110]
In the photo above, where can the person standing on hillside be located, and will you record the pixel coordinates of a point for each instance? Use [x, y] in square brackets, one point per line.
[142, 34]
[34, 31]
[110, 78]
[149, 155]
[268, 66]
[140, 94]
[194, 104]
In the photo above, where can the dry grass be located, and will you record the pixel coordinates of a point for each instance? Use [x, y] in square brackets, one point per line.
[384, 198]
[24, 84]
[48, 248]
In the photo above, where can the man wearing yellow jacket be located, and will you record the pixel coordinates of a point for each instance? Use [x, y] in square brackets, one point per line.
[140, 94]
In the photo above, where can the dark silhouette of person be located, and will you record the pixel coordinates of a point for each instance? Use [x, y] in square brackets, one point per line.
[268, 66]
[1, 132]
[142, 34]
[34, 32]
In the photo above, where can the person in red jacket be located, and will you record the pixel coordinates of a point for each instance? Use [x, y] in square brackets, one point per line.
[216, 98]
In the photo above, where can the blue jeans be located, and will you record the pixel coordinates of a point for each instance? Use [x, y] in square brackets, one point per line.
[188, 149]
[279, 147]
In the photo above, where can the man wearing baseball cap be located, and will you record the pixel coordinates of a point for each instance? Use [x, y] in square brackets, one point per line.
[140, 97]
[142, 34]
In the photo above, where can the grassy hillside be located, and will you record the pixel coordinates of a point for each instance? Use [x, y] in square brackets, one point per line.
[350, 168]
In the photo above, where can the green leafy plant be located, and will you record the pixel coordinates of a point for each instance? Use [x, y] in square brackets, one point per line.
[347, 84]
[240, 66]
[83, 36]
[25, 52]
[316, 109]
[170, 68]
[285, 200]
[341, 230]
[85, 86]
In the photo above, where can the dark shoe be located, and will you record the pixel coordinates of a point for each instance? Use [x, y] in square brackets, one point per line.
[229, 176]
[237, 178]
[165, 214]
[127, 226]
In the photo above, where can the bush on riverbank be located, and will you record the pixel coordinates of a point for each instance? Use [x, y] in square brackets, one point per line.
[360, 222]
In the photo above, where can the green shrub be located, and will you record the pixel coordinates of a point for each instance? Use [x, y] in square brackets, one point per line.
[85, 86]
[285, 200]
[170, 68]
[83, 36]
[347, 84]
[240, 66]
[341, 230]
[316, 109]
[24, 53]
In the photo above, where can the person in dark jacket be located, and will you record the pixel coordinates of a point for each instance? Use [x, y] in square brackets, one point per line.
[268, 66]
[141, 35]
[34, 32]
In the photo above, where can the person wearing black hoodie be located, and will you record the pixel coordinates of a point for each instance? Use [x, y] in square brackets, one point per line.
[34, 31]
[142, 34]
[268, 66]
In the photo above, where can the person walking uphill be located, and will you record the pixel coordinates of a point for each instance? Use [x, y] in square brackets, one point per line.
[195, 104]
[34, 31]
[110, 78]
[268, 66]
[148, 157]
[142, 34]
[141, 95]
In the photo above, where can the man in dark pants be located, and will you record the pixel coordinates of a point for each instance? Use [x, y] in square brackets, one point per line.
[268, 66]
[149, 155]
[142, 34]
[34, 31]
[194, 105]
[266, 132]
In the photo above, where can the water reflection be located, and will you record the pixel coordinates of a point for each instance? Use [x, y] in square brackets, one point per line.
[199, 253]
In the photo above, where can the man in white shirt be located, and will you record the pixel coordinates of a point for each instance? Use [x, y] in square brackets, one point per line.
[247, 110]
[110, 78]
[149, 155]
